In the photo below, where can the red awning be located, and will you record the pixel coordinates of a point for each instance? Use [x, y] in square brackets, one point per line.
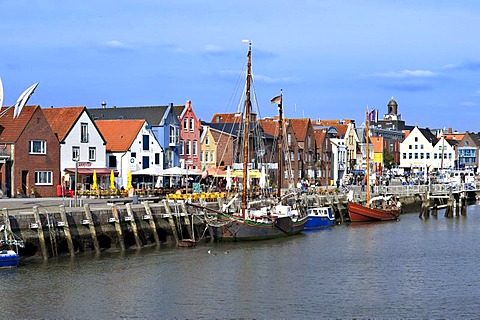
[90, 171]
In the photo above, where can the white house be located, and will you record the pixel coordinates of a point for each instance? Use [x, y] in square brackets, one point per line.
[131, 146]
[339, 158]
[82, 146]
[421, 149]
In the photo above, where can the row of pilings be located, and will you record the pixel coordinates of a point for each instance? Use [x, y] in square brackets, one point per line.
[114, 228]
[456, 205]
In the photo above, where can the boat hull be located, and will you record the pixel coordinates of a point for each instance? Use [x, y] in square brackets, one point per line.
[360, 213]
[9, 259]
[319, 218]
[236, 229]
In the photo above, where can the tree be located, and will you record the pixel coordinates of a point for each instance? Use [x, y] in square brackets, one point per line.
[388, 159]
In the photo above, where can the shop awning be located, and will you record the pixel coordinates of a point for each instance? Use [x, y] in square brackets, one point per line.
[84, 171]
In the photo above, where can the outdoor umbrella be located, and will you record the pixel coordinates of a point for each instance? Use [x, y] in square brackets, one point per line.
[112, 180]
[94, 184]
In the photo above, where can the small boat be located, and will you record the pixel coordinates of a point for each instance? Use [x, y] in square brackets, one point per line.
[361, 213]
[367, 212]
[319, 217]
[9, 244]
[186, 243]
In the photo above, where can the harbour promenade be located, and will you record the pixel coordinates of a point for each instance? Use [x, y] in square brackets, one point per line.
[19, 205]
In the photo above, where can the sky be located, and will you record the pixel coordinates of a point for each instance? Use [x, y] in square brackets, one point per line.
[331, 58]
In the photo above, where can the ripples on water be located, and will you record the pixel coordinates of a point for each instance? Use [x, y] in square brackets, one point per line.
[408, 269]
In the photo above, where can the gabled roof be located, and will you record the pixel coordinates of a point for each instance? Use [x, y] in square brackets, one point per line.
[300, 127]
[320, 135]
[152, 114]
[119, 134]
[270, 126]
[62, 120]
[11, 129]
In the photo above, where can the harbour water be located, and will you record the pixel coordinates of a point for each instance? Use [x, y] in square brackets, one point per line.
[412, 268]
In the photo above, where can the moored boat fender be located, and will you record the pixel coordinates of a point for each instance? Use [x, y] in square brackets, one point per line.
[284, 223]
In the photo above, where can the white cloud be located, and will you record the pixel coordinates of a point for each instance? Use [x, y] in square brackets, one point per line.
[116, 44]
[476, 93]
[406, 74]
[468, 104]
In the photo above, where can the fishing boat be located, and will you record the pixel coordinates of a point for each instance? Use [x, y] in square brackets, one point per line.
[9, 244]
[320, 217]
[372, 210]
[248, 216]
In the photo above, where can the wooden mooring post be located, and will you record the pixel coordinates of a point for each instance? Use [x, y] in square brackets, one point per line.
[133, 224]
[425, 210]
[171, 222]
[151, 222]
[66, 231]
[450, 205]
[41, 237]
[118, 227]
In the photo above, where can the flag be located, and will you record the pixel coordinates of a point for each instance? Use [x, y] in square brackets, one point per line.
[373, 116]
[277, 100]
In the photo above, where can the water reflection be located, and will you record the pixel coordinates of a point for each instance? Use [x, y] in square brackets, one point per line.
[413, 268]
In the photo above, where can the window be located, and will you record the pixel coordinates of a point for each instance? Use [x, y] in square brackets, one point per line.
[146, 142]
[416, 139]
[133, 154]
[112, 161]
[182, 148]
[38, 147]
[157, 158]
[188, 147]
[145, 162]
[92, 154]
[404, 155]
[410, 146]
[84, 133]
[428, 155]
[192, 124]
[416, 155]
[185, 124]
[289, 139]
[212, 156]
[173, 135]
[409, 155]
[201, 156]
[75, 153]
[194, 147]
[43, 177]
[206, 140]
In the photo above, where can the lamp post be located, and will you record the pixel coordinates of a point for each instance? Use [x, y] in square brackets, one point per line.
[76, 176]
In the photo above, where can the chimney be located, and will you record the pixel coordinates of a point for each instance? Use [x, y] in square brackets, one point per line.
[104, 105]
[188, 104]
[450, 130]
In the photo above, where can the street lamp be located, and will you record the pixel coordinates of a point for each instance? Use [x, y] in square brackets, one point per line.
[76, 176]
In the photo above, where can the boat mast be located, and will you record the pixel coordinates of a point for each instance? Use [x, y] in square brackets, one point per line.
[280, 146]
[246, 129]
[367, 136]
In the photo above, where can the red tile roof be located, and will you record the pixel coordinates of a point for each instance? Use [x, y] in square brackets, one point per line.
[62, 120]
[270, 126]
[226, 118]
[300, 127]
[11, 129]
[119, 134]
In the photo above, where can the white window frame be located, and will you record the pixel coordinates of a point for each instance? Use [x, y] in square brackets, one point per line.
[84, 132]
[43, 178]
[185, 124]
[192, 124]
[75, 151]
[33, 144]
[92, 154]
[194, 147]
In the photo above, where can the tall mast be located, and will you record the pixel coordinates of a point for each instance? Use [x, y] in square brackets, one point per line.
[367, 136]
[246, 129]
[280, 146]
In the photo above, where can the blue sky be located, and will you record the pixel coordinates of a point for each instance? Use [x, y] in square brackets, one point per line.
[331, 58]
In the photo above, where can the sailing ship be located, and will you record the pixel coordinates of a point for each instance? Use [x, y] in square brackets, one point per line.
[369, 212]
[9, 244]
[246, 216]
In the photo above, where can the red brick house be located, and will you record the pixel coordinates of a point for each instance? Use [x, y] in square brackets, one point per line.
[30, 154]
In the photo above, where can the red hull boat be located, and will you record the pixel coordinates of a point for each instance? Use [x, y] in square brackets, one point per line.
[360, 213]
